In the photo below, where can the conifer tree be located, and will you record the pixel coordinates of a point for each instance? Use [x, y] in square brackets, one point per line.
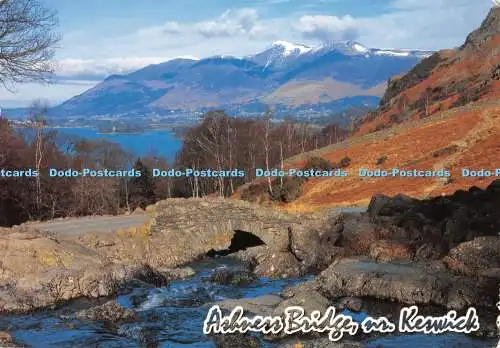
[142, 188]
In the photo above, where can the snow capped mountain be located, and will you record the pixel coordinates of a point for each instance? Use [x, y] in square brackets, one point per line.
[284, 71]
[344, 47]
[355, 48]
[360, 48]
[402, 53]
[282, 54]
[289, 48]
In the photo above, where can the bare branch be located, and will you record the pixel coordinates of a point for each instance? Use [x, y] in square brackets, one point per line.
[27, 42]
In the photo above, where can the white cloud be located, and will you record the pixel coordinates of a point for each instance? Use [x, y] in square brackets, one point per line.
[432, 4]
[328, 28]
[54, 93]
[426, 24]
[104, 67]
[230, 23]
[166, 29]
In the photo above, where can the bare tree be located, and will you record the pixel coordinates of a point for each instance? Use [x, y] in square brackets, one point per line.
[230, 135]
[37, 115]
[27, 42]
[268, 118]
[427, 97]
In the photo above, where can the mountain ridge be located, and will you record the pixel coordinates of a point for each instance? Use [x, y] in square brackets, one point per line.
[218, 81]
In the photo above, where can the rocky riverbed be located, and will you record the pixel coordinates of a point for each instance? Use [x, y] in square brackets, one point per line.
[142, 315]
[440, 254]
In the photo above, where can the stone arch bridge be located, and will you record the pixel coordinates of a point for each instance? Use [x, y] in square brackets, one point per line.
[187, 229]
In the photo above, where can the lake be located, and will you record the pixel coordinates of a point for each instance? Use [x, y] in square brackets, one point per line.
[161, 142]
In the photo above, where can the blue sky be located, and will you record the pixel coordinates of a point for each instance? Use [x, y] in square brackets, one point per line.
[103, 37]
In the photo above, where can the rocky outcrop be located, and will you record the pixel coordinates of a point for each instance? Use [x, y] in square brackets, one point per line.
[38, 270]
[407, 283]
[430, 228]
[480, 256]
[488, 29]
[357, 234]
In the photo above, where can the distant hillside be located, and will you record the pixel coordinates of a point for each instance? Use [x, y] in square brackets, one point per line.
[286, 74]
[445, 80]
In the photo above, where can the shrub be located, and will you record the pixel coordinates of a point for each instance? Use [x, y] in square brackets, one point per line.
[381, 160]
[446, 151]
[319, 163]
[345, 162]
[253, 192]
[290, 191]
[381, 126]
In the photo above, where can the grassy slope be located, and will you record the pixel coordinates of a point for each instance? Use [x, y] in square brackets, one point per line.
[473, 131]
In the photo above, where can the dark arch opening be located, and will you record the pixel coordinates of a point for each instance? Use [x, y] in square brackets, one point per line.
[241, 241]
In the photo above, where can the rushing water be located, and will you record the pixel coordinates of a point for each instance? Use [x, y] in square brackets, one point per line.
[172, 316]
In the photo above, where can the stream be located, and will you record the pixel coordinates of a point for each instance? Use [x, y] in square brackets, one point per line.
[172, 316]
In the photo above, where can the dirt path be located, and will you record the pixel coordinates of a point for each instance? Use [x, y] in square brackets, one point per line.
[76, 227]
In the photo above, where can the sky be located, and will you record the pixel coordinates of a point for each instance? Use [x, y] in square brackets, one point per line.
[104, 37]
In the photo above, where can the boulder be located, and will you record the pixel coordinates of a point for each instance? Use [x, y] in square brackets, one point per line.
[109, 312]
[228, 276]
[494, 188]
[6, 341]
[236, 340]
[305, 287]
[426, 252]
[40, 271]
[176, 273]
[381, 205]
[405, 282]
[475, 257]
[5, 337]
[322, 342]
[358, 234]
[310, 300]
[354, 304]
[143, 335]
[262, 305]
[387, 250]
[278, 264]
